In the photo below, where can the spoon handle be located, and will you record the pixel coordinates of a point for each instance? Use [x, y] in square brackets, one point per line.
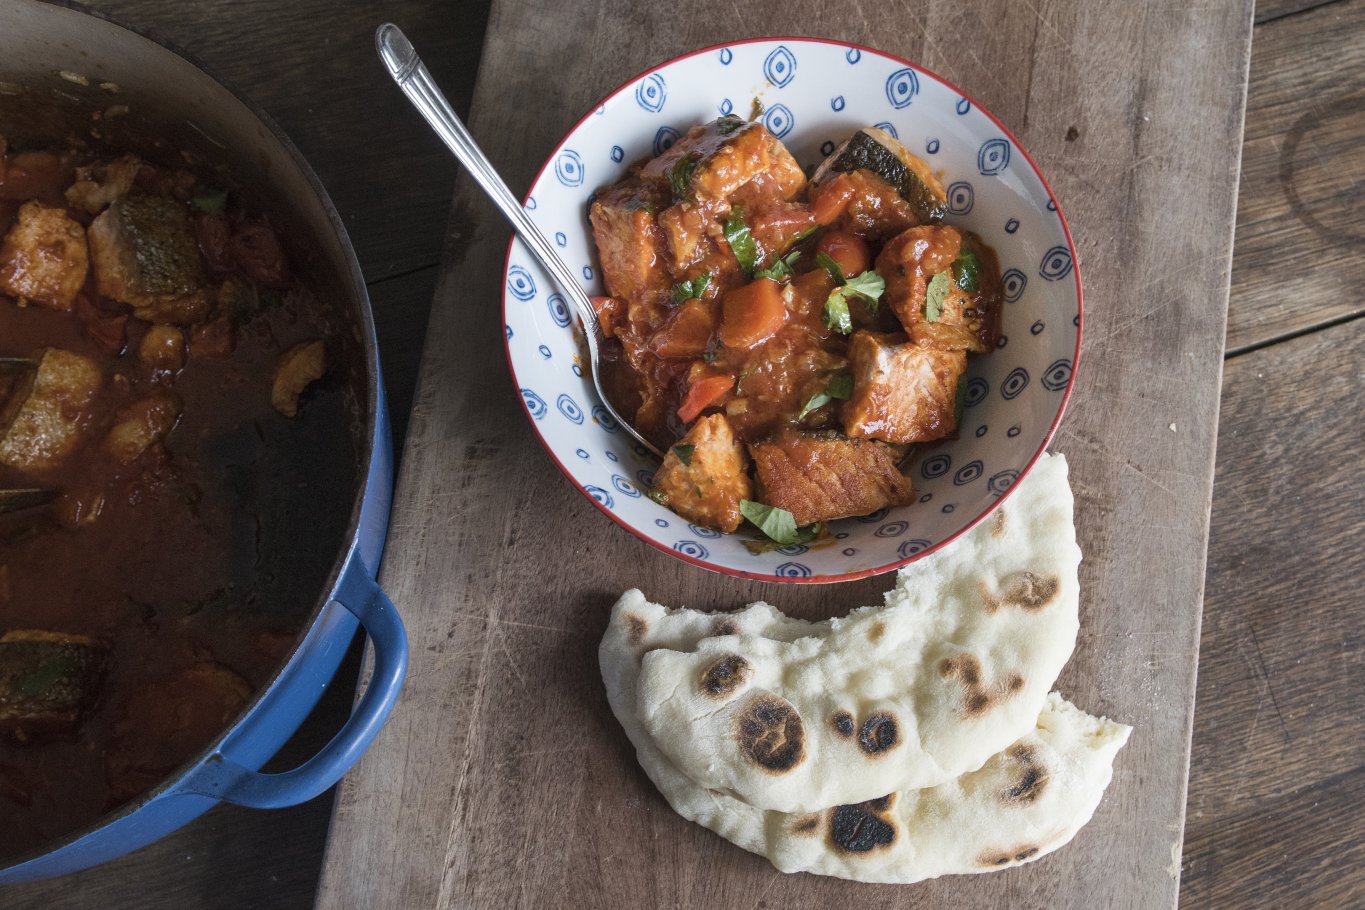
[412, 77]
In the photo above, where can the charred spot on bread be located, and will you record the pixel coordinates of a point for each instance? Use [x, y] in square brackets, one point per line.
[1027, 591]
[876, 631]
[993, 858]
[806, 824]
[724, 675]
[724, 626]
[771, 734]
[979, 697]
[1033, 775]
[635, 628]
[879, 734]
[860, 828]
[842, 722]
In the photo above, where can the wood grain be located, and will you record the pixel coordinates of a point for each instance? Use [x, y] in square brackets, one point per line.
[502, 778]
[1277, 779]
[1297, 260]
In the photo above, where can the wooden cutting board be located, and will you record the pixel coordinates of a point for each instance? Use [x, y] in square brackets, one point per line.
[502, 778]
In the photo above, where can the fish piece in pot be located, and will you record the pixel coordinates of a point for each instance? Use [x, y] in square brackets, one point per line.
[145, 254]
[50, 417]
[44, 257]
[47, 681]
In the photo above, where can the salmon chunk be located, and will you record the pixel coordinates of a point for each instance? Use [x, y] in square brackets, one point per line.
[823, 476]
[48, 421]
[630, 245]
[902, 393]
[145, 255]
[962, 319]
[714, 159]
[47, 679]
[704, 477]
[44, 257]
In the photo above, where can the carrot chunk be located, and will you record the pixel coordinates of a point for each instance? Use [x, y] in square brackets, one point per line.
[752, 314]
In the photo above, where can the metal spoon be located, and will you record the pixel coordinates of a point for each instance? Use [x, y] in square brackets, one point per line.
[412, 77]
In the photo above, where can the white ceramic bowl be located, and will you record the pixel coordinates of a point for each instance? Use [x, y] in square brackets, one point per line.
[816, 93]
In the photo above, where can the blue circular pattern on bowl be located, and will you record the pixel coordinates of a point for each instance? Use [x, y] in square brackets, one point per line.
[815, 94]
[559, 310]
[960, 198]
[569, 169]
[779, 121]
[651, 93]
[780, 67]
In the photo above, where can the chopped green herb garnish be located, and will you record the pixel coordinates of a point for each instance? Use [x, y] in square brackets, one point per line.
[804, 234]
[680, 174]
[210, 200]
[728, 124]
[934, 295]
[684, 454]
[780, 270]
[966, 269]
[689, 290]
[659, 496]
[756, 110]
[869, 285]
[741, 240]
[778, 525]
[835, 271]
[840, 386]
[712, 348]
[837, 316]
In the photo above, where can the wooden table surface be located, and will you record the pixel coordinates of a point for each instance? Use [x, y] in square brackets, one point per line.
[1276, 778]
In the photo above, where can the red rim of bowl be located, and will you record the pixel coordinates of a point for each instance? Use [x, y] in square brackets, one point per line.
[863, 573]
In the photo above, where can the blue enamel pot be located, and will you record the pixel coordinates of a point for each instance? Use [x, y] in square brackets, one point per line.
[42, 47]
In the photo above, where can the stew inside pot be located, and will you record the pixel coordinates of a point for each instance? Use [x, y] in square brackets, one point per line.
[171, 381]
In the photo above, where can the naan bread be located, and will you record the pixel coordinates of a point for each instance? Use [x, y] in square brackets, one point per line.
[796, 717]
[1027, 801]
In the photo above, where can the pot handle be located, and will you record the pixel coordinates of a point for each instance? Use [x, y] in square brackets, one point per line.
[360, 594]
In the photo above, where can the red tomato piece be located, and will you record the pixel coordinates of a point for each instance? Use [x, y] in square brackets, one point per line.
[848, 250]
[830, 198]
[702, 394]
